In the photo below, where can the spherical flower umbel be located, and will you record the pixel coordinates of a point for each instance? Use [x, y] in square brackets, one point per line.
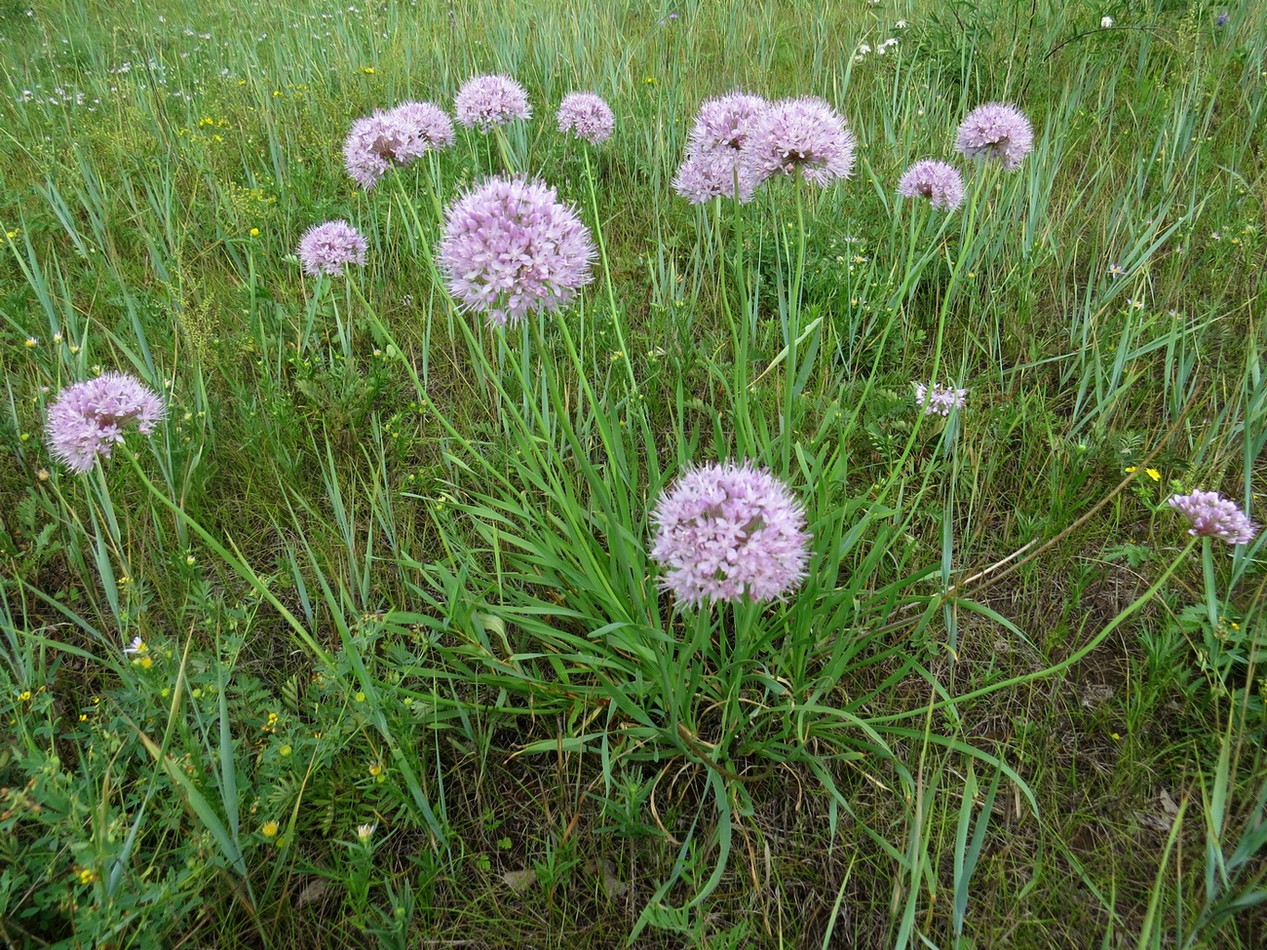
[937, 181]
[939, 400]
[326, 248]
[427, 126]
[510, 248]
[396, 136]
[587, 116]
[726, 530]
[997, 131]
[713, 173]
[1213, 516]
[799, 135]
[724, 122]
[88, 418]
[486, 101]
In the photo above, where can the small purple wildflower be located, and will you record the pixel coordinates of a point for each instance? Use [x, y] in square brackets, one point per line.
[510, 248]
[587, 116]
[724, 530]
[996, 130]
[711, 174]
[1213, 516]
[724, 122]
[1221, 19]
[939, 400]
[87, 418]
[805, 135]
[939, 182]
[486, 101]
[1117, 270]
[326, 248]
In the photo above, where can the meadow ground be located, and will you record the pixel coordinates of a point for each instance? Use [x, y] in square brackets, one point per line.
[364, 643]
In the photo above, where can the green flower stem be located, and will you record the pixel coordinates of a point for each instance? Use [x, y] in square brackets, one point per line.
[607, 274]
[1211, 590]
[1073, 658]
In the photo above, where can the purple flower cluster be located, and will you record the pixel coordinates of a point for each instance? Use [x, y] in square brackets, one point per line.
[996, 131]
[396, 136]
[488, 101]
[712, 167]
[723, 122]
[88, 418]
[939, 400]
[587, 116]
[427, 126]
[707, 175]
[799, 136]
[1213, 516]
[724, 530]
[326, 248]
[937, 181]
[510, 248]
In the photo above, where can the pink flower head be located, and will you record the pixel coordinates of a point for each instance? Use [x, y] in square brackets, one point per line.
[996, 130]
[326, 248]
[724, 530]
[724, 122]
[373, 144]
[939, 182]
[713, 173]
[939, 400]
[88, 418]
[486, 101]
[805, 135]
[510, 248]
[587, 116]
[427, 127]
[1213, 516]
[393, 137]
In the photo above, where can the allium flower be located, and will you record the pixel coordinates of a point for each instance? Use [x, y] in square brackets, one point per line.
[939, 400]
[726, 530]
[486, 101]
[87, 418]
[799, 134]
[510, 248]
[1213, 516]
[427, 126]
[996, 130]
[587, 116]
[713, 173]
[724, 122]
[939, 182]
[325, 248]
[394, 137]
[373, 144]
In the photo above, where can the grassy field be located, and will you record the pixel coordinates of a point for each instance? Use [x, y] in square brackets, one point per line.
[408, 676]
